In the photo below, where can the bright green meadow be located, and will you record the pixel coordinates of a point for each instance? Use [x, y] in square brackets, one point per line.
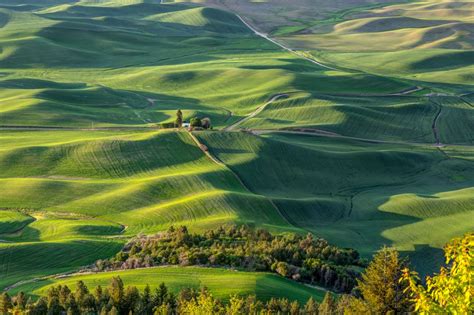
[376, 150]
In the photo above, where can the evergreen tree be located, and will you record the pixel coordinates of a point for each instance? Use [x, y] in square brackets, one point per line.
[131, 300]
[328, 305]
[5, 303]
[195, 122]
[236, 306]
[311, 307]
[64, 294]
[380, 286]
[54, 307]
[20, 301]
[160, 296]
[71, 305]
[116, 292]
[80, 293]
[40, 308]
[146, 305]
[88, 304]
[113, 311]
[294, 308]
[179, 119]
[103, 311]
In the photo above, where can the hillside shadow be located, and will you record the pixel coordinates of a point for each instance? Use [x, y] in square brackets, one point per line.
[425, 259]
[79, 104]
[82, 38]
[363, 223]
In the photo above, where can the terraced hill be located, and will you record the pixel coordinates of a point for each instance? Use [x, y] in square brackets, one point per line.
[361, 159]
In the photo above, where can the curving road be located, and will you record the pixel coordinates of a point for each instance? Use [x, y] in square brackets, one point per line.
[254, 113]
[265, 36]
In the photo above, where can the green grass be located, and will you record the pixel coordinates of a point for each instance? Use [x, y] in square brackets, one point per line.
[423, 41]
[11, 221]
[69, 197]
[155, 174]
[221, 282]
[432, 65]
[137, 64]
[354, 193]
[91, 187]
[396, 118]
[20, 261]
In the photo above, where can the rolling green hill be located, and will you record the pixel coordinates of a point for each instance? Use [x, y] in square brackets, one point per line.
[137, 63]
[429, 41]
[221, 282]
[354, 193]
[378, 155]
[85, 189]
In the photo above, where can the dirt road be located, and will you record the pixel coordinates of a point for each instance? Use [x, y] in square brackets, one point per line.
[265, 36]
[254, 113]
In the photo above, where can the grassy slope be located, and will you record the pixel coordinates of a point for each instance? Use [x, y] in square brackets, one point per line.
[221, 282]
[135, 64]
[353, 193]
[428, 41]
[83, 188]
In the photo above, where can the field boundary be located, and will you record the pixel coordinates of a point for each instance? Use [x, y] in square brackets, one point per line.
[255, 112]
[294, 52]
[216, 160]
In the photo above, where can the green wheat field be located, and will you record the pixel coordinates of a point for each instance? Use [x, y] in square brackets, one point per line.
[371, 145]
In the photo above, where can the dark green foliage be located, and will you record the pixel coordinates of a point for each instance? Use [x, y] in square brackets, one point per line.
[5, 303]
[311, 307]
[328, 305]
[168, 125]
[380, 285]
[179, 119]
[123, 301]
[206, 123]
[195, 122]
[304, 259]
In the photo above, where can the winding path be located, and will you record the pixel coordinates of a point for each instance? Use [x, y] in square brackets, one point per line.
[216, 160]
[265, 36]
[322, 133]
[254, 113]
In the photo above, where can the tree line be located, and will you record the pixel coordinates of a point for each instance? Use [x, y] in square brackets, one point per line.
[387, 286]
[301, 258]
[195, 122]
[117, 299]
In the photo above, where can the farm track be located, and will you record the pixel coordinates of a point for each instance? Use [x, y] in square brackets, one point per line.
[60, 128]
[216, 160]
[265, 36]
[435, 127]
[322, 133]
[255, 113]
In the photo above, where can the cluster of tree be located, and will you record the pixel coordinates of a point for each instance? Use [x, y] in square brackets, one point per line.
[197, 123]
[116, 299]
[389, 287]
[386, 287]
[301, 258]
[194, 122]
[452, 289]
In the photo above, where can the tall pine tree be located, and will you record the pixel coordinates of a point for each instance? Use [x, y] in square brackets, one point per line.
[380, 284]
